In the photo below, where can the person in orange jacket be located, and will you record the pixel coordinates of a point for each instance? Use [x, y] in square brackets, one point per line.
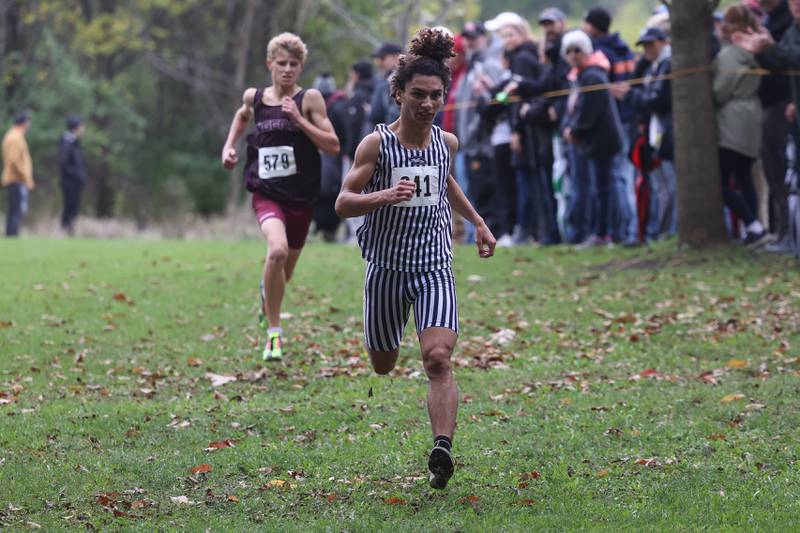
[17, 175]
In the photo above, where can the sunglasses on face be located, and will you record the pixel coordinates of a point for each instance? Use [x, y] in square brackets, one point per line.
[573, 51]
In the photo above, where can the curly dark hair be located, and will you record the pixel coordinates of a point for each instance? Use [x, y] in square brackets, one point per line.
[427, 55]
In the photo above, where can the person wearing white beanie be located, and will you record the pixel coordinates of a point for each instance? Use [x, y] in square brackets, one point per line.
[577, 39]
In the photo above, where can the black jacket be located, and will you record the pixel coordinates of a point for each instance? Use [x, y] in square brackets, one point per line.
[785, 55]
[534, 127]
[594, 120]
[358, 110]
[70, 160]
[655, 98]
[775, 88]
[553, 78]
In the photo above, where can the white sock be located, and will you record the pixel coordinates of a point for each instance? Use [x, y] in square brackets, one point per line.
[755, 227]
[277, 330]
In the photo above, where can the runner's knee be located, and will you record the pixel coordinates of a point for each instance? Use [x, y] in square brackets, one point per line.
[383, 362]
[436, 361]
[278, 254]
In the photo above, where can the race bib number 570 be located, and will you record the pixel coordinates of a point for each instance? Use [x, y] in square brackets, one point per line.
[427, 181]
[276, 162]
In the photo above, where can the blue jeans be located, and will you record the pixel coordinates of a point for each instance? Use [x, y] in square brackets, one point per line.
[17, 207]
[525, 214]
[624, 217]
[545, 207]
[607, 198]
[578, 215]
[462, 178]
[664, 181]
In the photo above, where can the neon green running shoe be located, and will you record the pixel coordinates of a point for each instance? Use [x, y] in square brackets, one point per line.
[273, 351]
[262, 318]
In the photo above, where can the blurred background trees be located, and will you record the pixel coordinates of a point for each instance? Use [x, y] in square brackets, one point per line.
[157, 81]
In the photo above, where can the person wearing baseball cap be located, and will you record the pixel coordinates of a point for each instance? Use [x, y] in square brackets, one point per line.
[649, 36]
[387, 49]
[473, 29]
[653, 103]
[553, 21]
[597, 24]
[506, 18]
[384, 109]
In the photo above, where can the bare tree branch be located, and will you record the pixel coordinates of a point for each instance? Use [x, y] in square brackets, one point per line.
[443, 12]
[356, 22]
[180, 74]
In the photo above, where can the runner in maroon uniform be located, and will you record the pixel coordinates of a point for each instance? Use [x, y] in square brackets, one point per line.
[282, 169]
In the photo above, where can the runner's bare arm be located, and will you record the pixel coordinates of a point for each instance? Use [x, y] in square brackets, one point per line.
[313, 121]
[238, 127]
[351, 202]
[461, 205]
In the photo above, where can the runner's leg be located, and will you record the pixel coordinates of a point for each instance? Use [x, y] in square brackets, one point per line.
[437, 346]
[274, 268]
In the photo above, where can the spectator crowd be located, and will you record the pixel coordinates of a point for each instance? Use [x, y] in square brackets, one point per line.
[594, 168]
[543, 159]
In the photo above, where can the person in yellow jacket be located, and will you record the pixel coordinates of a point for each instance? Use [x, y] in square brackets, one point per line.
[17, 175]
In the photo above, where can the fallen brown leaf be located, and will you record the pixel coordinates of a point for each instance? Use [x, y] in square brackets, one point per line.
[220, 445]
[201, 469]
[732, 398]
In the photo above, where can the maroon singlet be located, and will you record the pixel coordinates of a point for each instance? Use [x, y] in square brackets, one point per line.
[274, 128]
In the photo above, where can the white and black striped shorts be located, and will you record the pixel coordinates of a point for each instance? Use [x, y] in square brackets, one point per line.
[389, 296]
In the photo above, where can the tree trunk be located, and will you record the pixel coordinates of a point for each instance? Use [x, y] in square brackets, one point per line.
[700, 206]
[241, 52]
[13, 44]
[105, 186]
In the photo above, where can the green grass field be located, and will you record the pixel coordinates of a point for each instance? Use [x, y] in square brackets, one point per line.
[606, 390]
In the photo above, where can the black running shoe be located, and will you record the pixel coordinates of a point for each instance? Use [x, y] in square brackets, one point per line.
[441, 466]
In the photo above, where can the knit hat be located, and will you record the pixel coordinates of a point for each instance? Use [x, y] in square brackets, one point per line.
[600, 18]
[576, 39]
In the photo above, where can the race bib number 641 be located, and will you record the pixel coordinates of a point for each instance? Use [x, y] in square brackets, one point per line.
[276, 162]
[427, 181]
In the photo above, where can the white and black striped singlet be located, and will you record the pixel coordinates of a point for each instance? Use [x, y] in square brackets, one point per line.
[414, 236]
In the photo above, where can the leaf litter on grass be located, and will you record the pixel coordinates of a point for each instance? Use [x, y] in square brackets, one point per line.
[585, 358]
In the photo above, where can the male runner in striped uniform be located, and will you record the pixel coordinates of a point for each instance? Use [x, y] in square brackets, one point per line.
[401, 180]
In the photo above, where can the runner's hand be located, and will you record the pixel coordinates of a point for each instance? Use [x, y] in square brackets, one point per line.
[229, 158]
[791, 113]
[289, 107]
[485, 241]
[402, 192]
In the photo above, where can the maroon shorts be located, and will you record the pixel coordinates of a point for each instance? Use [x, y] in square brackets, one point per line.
[297, 220]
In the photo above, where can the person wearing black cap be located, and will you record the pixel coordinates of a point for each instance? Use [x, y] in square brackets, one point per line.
[384, 109]
[17, 175]
[597, 24]
[72, 165]
[479, 175]
[653, 103]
